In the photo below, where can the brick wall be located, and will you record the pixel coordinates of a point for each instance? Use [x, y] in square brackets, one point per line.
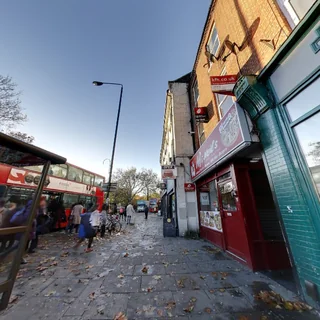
[242, 22]
[302, 236]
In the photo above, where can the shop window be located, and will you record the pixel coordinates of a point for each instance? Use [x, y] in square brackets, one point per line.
[209, 207]
[304, 102]
[228, 197]
[75, 174]
[304, 111]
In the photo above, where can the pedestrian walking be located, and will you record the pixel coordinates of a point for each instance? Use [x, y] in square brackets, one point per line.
[130, 213]
[103, 220]
[121, 211]
[95, 217]
[146, 211]
[76, 213]
[86, 231]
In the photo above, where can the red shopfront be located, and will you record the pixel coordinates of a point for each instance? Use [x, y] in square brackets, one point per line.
[236, 208]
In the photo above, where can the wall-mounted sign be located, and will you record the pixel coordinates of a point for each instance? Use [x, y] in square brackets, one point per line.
[189, 187]
[163, 186]
[168, 172]
[229, 136]
[223, 84]
[201, 114]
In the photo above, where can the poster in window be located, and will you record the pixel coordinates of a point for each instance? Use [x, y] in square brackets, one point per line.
[204, 199]
[211, 220]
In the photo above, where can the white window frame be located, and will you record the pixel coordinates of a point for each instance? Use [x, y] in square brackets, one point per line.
[209, 40]
[195, 85]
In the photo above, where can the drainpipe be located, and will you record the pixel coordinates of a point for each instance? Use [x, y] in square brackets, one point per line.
[191, 120]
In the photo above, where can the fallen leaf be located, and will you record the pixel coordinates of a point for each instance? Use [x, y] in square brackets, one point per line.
[41, 268]
[149, 289]
[92, 295]
[166, 264]
[145, 269]
[222, 290]
[202, 277]
[181, 283]
[120, 316]
[288, 305]
[53, 264]
[120, 276]
[50, 293]
[157, 277]
[13, 299]
[160, 313]
[193, 299]
[207, 310]
[214, 274]
[126, 254]
[211, 291]
[170, 305]
[69, 290]
[64, 254]
[100, 310]
[189, 309]
[89, 267]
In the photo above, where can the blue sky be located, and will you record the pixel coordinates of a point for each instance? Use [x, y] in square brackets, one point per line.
[54, 50]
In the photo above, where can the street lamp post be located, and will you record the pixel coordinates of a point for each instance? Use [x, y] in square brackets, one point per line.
[99, 83]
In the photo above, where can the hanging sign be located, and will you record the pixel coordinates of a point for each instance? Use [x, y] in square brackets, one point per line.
[201, 114]
[168, 172]
[223, 84]
[189, 187]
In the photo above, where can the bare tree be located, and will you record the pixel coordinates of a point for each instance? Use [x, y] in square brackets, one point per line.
[129, 183]
[11, 113]
[150, 182]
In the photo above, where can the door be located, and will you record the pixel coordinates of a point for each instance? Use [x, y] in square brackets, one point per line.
[233, 223]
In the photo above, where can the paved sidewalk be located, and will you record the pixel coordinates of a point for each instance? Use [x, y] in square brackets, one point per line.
[145, 276]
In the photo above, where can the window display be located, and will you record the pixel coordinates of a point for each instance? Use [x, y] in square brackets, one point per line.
[209, 207]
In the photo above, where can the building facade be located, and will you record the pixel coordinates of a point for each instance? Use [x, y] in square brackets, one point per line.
[250, 173]
[178, 200]
[290, 139]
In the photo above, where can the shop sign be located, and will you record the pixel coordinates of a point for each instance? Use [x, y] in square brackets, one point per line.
[211, 220]
[230, 135]
[223, 84]
[189, 187]
[163, 186]
[201, 114]
[168, 172]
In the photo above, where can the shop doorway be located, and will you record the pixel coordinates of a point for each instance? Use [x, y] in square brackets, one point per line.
[233, 223]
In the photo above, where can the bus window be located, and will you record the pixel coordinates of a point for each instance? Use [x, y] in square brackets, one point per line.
[74, 174]
[58, 170]
[88, 178]
[70, 199]
[34, 168]
[98, 181]
[2, 191]
[19, 196]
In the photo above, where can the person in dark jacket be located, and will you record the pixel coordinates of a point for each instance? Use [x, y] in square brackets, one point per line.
[146, 211]
[86, 231]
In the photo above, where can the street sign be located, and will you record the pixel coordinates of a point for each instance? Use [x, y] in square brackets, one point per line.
[113, 186]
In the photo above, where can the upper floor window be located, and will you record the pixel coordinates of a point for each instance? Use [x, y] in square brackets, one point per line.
[88, 178]
[98, 181]
[213, 43]
[195, 91]
[58, 170]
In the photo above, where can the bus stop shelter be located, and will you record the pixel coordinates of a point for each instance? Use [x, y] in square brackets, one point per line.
[13, 239]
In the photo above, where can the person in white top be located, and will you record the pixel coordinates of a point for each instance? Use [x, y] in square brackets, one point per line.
[130, 213]
[95, 217]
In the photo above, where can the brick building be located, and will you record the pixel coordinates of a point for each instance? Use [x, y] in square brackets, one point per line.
[244, 193]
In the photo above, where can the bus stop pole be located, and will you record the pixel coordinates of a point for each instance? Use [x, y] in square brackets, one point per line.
[23, 241]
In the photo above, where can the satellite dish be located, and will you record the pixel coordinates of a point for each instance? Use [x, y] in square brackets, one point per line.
[230, 45]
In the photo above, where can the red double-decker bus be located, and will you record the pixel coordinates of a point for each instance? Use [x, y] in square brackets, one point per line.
[65, 184]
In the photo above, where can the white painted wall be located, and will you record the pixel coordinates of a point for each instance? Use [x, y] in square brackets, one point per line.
[177, 139]
[300, 63]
